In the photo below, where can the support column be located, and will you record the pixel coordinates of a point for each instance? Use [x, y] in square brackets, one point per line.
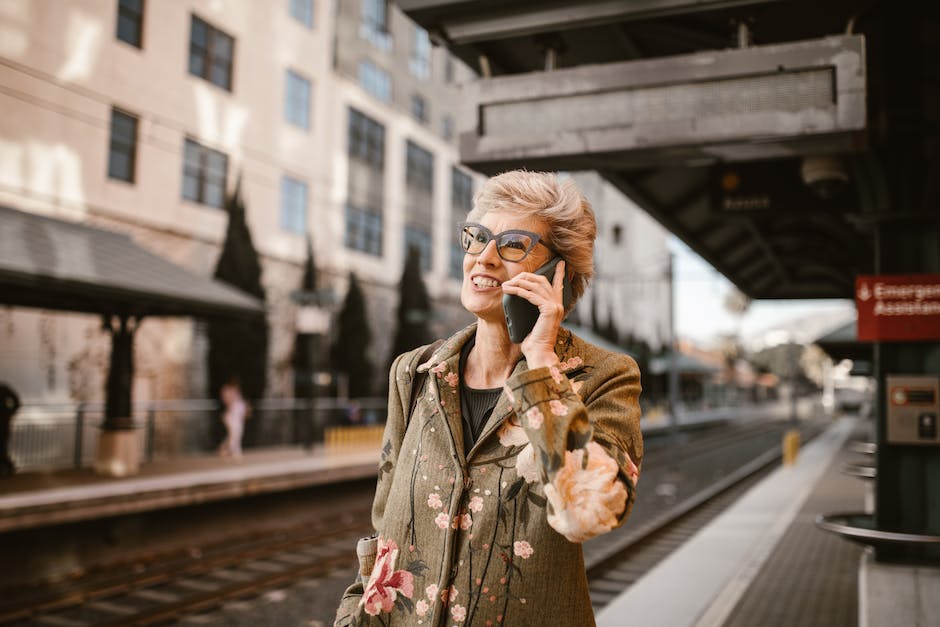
[119, 443]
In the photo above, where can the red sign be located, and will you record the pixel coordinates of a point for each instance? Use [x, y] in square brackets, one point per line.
[898, 307]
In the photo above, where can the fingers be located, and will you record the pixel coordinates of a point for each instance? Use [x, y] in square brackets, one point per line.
[558, 282]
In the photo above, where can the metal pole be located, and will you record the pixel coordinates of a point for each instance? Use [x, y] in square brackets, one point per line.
[151, 428]
[673, 398]
[79, 434]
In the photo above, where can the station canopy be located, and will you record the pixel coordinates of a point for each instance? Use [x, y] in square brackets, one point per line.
[55, 264]
[741, 126]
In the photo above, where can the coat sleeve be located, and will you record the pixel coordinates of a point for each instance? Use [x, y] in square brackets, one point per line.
[586, 453]
[400, 378]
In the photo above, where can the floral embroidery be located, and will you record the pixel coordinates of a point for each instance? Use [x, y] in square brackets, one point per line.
[431, 591]
[558, 408]
[526, 465]
[386, 584]
[442, 520]
[439, 368]
[463, 521]
[556, 374]
[422, 607]
[434, 501]
[475, 504]
[523, 549]
[452, 379]
[448, 594]
[585, 498]
[576, 386]
[459, 613]
[512, 435]
[571, 364]
[535, 417]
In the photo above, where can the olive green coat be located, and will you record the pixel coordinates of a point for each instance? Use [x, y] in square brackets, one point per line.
[464, 538]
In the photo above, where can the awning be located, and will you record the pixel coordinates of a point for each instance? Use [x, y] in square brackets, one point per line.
[685, 364]
[842, 343]
[55, 264]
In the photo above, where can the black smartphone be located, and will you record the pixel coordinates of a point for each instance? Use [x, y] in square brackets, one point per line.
[521, 314]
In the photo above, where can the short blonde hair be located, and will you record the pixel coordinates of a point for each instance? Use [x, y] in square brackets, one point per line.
[572, 227]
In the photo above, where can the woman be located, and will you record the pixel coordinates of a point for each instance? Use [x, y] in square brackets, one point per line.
[514, 454]
[236, 410]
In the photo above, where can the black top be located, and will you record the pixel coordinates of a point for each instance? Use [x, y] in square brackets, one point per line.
[475, 405]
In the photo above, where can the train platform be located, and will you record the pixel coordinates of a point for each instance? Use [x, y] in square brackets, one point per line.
[36, 499]
[763, 561]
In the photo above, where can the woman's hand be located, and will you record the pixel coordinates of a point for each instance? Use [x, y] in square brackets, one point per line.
[539, 345]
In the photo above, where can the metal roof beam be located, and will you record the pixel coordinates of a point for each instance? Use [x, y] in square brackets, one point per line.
[484, 21]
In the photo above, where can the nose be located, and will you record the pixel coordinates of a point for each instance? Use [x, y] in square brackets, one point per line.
[489, 256]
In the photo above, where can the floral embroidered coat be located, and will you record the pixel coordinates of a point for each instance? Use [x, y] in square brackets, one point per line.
[491, 536]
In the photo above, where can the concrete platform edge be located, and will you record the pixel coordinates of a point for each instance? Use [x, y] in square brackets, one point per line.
[701, 581]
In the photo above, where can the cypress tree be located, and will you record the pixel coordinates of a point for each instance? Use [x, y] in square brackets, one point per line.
[304, 349]
[414, 308]
[349, 353]
[238, 347]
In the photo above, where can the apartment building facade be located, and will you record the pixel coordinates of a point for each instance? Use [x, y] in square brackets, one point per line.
[338, 121]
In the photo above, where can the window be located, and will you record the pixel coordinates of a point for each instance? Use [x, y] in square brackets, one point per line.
[419, 201]
[297, 100]
[293, 205]
[366, 180]
[419, 238]
[448, 69]
[419, 167]
[447, 127]
[302, 11]
[366, 139]
[130, 21]
[204, 174]
[122, 153]
[210, 54]
[374, 24]
[420, 64]
[455, 267]
[461, 201]
[419, 108]
[461, 191]
[375, 80]
[364, 230]
[375, 14]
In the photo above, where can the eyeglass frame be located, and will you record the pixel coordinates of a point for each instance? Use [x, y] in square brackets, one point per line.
[536, 239]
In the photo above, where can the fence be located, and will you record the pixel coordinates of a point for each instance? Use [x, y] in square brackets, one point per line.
[54, 436]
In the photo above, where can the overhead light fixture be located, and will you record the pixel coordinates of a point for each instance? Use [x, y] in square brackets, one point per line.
[825, 175]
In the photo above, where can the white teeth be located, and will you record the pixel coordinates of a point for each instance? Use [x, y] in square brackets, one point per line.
[480, 281]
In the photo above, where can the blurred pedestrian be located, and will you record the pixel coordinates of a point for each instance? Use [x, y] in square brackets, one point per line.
[9, 403]
[506, 456]
[236, 410]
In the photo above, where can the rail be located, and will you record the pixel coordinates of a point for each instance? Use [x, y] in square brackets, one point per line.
[52, 436]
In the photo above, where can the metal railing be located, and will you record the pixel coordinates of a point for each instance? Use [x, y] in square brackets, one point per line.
[65, 435]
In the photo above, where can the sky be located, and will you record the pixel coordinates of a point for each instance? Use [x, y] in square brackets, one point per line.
[701, 314]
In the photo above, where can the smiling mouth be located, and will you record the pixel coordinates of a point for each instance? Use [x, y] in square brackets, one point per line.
[484, 282]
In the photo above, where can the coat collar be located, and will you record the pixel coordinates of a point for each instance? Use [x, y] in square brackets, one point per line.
[444, 367]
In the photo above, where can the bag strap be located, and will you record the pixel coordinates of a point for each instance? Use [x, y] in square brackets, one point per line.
[417, 378]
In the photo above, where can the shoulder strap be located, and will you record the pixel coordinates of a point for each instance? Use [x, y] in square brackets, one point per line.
[417, 378]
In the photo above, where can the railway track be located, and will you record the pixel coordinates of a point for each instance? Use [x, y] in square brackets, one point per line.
[178, 585]
[169, 587]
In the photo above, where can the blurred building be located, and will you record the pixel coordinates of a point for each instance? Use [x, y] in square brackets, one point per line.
[340, 121]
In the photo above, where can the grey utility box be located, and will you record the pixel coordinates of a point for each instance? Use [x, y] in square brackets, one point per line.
[913, 409]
